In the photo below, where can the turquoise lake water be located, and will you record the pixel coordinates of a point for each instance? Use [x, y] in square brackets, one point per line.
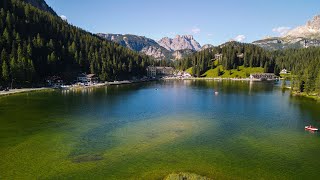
[147, 131]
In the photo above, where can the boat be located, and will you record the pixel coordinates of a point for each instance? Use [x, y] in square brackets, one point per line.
[310, 128]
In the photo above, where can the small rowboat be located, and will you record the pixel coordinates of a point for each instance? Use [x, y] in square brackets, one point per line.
[310, 128]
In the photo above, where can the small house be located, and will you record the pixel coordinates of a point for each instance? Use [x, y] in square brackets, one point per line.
[55, 82]
[284, 71]
[92, 78]
[156, 71]
[87, 78]
[262, 76]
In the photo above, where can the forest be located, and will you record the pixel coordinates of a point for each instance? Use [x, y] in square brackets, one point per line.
[305, 67]
[304, 64]
[234, 54]
[35, 44]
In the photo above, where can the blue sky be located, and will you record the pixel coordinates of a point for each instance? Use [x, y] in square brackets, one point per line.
[212, 22]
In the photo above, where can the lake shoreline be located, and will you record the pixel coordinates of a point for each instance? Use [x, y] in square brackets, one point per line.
[309, 96]
[217, 79]
[26, 90]
[23, 90]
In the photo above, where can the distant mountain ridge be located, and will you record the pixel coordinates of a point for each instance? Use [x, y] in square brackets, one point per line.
[41, 4]
[139, 43]
[304, 36]
[166, 48]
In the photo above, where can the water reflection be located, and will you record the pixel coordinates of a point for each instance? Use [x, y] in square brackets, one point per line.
[152, 129]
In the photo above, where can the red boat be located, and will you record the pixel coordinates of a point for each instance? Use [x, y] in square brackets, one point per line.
[310, 128]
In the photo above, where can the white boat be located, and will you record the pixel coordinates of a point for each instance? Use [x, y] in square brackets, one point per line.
[310, 128]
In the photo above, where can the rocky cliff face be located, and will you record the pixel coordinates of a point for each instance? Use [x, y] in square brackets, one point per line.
[41, 4]
[139, 44]
[174, 49]
[300, 37]
[179, 54]
[153, 51]
[310, 30]
[180, 43]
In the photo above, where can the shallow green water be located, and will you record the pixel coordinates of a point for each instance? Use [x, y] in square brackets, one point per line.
[147, 131]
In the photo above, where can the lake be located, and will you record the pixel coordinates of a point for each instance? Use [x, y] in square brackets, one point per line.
[147, 131]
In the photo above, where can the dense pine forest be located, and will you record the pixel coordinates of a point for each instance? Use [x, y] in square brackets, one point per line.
[35, 44]
[304, 64]
[305, 67]
[234, 54]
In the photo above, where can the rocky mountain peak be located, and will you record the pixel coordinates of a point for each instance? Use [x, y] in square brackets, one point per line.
[314, 23]
[166, 48]
[180, 42]
[310, 30]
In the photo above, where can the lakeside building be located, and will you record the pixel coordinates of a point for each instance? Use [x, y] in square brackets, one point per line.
[157, 71]
[55, 81]
[263, 76]
[87, 78]
[284, 71]
[218, 57]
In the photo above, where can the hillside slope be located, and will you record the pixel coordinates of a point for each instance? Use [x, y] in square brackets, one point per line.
[36, 44]
[42, 5]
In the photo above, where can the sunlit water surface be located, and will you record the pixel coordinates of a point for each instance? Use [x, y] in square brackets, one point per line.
[147, 131]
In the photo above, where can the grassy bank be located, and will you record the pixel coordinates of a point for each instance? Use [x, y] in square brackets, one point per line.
[303, 94]
[241, 72]
[220, 72]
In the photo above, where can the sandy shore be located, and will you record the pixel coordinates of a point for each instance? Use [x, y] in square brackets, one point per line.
[16, 91]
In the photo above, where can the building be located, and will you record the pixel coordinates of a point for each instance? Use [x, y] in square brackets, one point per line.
[218, 57]
[186, 75]
[92, 78]
[152, 71]
[262, 76]
[55, 82]
[241, 55]
[284, 71]
[87, 78]
[157, 71]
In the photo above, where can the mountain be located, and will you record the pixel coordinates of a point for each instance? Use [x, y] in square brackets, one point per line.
[300, 37]
[310, 30]
[180, 43]
[178, 47]
[179, 54]
[206, 46]
[139, 44]
[42, 5]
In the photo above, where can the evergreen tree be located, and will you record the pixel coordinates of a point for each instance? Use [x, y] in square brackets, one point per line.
[42, 45]
[5, 71]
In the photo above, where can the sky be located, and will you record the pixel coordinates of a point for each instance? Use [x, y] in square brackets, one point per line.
[209, 21]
